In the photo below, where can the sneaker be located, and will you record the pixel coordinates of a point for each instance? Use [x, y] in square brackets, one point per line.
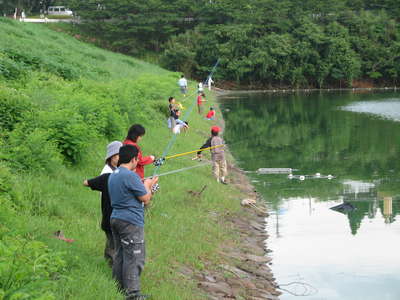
[223, 182]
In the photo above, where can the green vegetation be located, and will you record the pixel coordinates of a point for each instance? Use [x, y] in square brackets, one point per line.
[61, 102]
[269, 43]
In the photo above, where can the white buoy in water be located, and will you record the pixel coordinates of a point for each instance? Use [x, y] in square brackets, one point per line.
[329, 176]
[290, 176]
[318, 175]
[302, 177]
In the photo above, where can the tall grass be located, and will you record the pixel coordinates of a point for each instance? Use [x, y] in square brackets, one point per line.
[69, 100]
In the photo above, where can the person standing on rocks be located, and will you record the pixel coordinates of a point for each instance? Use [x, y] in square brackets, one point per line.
[128, 196]
[217, 155]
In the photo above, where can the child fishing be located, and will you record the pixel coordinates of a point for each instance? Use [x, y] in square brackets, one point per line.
[211, 114]
[217, 154]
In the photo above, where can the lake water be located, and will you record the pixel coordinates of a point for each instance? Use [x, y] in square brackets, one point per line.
[320, 253]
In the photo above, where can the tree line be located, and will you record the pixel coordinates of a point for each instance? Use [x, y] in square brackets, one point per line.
[269, 43]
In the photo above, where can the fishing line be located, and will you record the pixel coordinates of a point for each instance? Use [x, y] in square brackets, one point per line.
[185, 117]
[181, 170]
[309, 290]
[160, 161]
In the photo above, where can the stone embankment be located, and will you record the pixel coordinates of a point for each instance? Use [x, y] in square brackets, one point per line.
[244, 269]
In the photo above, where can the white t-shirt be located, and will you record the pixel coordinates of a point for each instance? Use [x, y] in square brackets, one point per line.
[106, 169]
[182, 82]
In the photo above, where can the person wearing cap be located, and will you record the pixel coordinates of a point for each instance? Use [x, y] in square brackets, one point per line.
[135, 133]
[111, 157]
[217, 154]
[99, 183]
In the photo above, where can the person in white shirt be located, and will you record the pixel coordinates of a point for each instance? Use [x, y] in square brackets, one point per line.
[200, 88]
[111, 157]
[183, 85]
[209, 82]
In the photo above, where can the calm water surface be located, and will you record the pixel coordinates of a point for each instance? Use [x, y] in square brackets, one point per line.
[348, 255]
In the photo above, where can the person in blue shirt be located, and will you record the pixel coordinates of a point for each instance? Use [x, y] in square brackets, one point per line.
[128, 196]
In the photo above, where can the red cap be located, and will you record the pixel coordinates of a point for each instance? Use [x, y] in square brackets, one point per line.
[215, 129]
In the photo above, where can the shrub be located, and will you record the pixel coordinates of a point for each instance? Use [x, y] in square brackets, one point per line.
[102, 115]
[31, 150]
[13, 105]
[7, 188]
[27, 268]
[68, 131]
[9, 69]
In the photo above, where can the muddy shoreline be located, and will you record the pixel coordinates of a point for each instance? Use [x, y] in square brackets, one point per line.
[244, 271]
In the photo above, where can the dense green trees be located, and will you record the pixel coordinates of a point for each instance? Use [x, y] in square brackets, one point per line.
[296, 43]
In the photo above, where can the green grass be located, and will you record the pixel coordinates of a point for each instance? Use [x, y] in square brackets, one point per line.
[63, 78]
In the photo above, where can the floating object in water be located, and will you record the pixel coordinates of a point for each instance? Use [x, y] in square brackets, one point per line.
[344, 207]
[316, 176]
[275, 170]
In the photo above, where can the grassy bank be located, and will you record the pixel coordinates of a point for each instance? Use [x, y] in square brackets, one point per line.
[61, 102]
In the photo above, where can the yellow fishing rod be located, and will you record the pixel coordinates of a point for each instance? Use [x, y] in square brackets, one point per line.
[160, 161]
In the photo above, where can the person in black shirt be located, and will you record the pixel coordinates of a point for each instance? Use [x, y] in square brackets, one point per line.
[172, 108]
[100, 183]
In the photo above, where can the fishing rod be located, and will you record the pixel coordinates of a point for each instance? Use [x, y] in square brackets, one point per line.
[160, 161]
[180, 170]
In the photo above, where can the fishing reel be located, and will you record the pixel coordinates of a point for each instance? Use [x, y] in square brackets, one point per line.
[155, 188]
[159, 161]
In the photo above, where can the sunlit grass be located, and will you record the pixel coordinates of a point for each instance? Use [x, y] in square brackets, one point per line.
[181, 230]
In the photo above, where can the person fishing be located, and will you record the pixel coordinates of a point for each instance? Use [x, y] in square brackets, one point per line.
[219, 167]
[200, 100]
[135, 133]
[128, 195]
[172, 108]
[182, 82]
[211, 114]
[99, 183]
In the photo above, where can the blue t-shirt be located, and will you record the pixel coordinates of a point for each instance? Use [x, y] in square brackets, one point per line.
[124, 186]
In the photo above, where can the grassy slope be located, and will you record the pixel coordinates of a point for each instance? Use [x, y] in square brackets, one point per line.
[180, 230]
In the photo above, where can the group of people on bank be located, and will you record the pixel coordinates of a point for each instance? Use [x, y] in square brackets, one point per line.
[125, 193]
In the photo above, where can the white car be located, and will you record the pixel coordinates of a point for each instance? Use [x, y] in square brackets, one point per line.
[59, 11]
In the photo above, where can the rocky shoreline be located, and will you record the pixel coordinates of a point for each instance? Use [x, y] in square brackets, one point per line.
[244, 272]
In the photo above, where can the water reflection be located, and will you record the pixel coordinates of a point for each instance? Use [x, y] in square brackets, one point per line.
[350, 254]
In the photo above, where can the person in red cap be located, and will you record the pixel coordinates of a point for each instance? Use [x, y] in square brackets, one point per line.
[217, 154]
[135, 133]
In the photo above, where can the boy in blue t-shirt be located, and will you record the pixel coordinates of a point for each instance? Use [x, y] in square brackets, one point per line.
[128, 196]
